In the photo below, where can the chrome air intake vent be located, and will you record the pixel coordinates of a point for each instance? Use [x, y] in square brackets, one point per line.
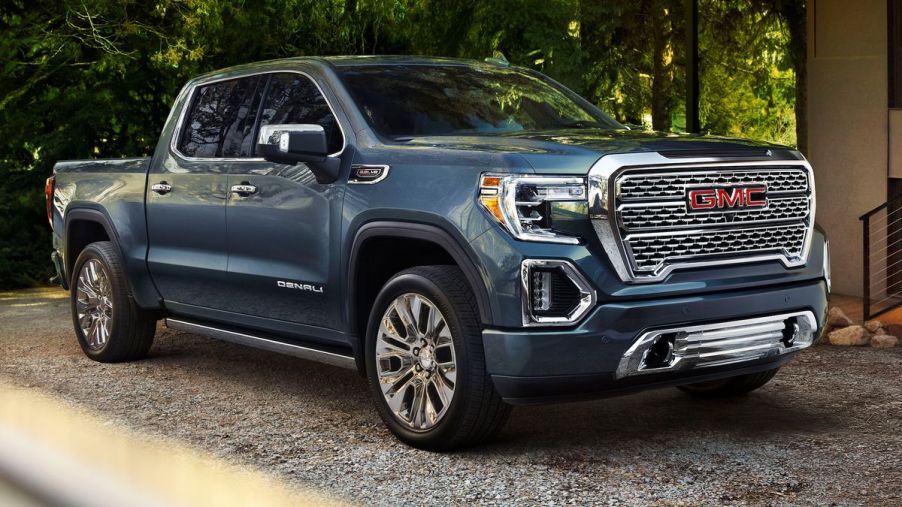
[653, 216]
[719, 344]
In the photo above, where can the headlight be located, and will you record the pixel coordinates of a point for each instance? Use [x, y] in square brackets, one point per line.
[827, 275]
[523, 204]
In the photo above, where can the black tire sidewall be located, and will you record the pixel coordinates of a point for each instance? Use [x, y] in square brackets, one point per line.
[102, 253]
[416, 283]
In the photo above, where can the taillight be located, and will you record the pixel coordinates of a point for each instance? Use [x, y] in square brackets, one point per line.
[48, 194]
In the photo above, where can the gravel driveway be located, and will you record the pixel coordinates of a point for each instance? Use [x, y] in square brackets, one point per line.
[828, 429]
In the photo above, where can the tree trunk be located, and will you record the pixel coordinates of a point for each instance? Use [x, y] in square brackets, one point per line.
[795, 16]
[662, 69]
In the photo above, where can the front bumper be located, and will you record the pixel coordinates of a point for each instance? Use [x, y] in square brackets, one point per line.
[535, 366]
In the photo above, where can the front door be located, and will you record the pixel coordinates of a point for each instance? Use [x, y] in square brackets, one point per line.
[187, 193]
[283, 226]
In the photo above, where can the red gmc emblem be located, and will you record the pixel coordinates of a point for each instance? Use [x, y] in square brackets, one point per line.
[726, 198]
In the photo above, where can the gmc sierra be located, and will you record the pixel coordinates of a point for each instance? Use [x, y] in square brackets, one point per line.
[466, 235]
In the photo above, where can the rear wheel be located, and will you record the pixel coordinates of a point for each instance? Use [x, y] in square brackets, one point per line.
[108, 324]
[426, 363]
[729, 387]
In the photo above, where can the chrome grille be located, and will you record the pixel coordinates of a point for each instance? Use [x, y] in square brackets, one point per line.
[658, 185]
[658, 233]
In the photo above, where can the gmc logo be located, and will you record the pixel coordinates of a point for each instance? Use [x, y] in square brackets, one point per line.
[727, 198]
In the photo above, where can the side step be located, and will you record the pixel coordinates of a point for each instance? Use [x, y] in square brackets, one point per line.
[259, 342]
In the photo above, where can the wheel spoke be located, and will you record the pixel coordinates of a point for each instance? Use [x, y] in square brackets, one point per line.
[442, 389]
[85, 288]
[418, 405]
[449, 375]
[405, 313]
[390, 339]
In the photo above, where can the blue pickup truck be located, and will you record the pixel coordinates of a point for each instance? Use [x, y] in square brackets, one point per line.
[467, 235]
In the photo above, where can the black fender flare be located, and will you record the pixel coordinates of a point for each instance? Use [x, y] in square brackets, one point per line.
[87, 214]
[464, 257]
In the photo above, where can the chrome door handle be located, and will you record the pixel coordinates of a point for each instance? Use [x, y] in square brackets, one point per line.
[161, 188]
[244, 189]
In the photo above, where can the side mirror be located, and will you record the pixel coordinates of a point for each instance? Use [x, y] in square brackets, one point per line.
[291, 144]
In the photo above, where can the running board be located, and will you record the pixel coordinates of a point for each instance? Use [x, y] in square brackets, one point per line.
[258, 342]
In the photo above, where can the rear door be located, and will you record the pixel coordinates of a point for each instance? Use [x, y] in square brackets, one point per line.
[188, 189]
[283, 236]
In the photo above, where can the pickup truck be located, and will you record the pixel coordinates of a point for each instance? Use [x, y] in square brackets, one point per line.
[467, 235]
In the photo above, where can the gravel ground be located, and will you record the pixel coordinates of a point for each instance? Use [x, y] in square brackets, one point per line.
[825, 430]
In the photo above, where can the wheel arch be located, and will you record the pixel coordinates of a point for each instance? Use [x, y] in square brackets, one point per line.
[428, 234]
[84, 226]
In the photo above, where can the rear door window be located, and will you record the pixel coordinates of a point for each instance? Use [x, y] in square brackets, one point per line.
[221, 119]
[294, 99]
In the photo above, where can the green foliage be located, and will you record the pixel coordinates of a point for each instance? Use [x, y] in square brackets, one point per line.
[95, 78]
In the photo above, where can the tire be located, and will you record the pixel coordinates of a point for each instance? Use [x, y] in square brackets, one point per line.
[730, 387]
[128, 331]
[475, 412]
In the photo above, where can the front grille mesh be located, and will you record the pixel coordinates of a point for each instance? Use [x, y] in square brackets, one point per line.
[657, 230]
[652, 251]
[655, 216]
[632, 186]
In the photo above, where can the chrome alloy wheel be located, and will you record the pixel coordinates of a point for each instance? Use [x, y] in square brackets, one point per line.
[415, 361]
[94, 304]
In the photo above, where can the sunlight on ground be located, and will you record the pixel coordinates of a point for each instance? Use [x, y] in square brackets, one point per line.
[40, 292]
[68, 455]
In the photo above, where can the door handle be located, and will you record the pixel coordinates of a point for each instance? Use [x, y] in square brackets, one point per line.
[161, 188]
[244, 189]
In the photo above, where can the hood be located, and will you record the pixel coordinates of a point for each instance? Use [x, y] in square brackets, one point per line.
[575, 151]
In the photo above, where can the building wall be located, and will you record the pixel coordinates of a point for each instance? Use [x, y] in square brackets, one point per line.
[847, 124]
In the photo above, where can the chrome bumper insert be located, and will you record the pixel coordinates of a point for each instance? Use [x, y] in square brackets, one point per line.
[708, 345]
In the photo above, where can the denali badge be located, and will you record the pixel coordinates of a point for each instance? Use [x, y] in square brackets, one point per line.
[301, 286]
[726, 198]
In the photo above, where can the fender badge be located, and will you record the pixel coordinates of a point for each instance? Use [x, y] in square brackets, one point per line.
[367, 174]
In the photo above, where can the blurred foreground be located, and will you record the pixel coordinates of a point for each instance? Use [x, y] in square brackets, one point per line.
[53, 454]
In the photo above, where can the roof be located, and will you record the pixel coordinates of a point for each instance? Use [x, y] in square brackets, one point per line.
[344, 61]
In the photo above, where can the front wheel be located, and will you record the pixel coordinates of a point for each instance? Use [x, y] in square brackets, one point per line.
[426, 363]
[730, 387]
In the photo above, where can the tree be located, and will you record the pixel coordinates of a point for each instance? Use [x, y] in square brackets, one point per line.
[96, 78]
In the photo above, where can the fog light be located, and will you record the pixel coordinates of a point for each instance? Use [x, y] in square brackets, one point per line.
[554, 293]
[541, 290]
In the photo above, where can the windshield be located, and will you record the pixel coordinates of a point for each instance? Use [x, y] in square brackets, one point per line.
[435, 100]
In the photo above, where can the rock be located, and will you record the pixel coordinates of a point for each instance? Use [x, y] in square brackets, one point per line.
[824, 338]
[837, 318]
[892, 329]
[884, 341]
[849, 336]
[873, 326]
